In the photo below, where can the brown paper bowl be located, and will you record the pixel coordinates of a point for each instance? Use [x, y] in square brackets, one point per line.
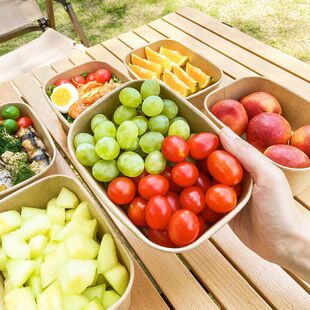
[77, 70]
[294, 108]
[43, 135]
[198, 122]
[39, 193]
[194, 58]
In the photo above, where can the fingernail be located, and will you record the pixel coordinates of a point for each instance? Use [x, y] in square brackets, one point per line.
[229, 133]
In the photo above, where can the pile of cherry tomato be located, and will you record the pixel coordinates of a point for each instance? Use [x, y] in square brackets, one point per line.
[198, 187]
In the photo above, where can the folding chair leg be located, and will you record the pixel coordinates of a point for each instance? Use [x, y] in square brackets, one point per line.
[50, 13]
[76, 24]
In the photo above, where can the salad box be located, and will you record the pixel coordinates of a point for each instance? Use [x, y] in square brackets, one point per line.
[295, 109]
[39, 193]
[198, 122]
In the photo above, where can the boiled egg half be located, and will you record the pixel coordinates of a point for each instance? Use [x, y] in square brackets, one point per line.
[64, 96]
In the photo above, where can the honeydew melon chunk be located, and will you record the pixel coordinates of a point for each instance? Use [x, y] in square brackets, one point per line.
[51, 298]
[37, 245]
[9, 221]
[83, 210]
[56, 215]
[69, 215]
[74, 302]
[20, 299]
[109, 298]
[5, 274]
[19, 271]
[100, 280]
[8, 287]
[51, 202]
[95, 304]
[95, 291]
[118, 278]
[35, 284]
[28, 212]
[50, 247]
[76, 275]
[3, 260]
[107, 257]
[55, 230]
[66, 199]
[14, 246]
[80, 246]
[38, 261]
[39, 224]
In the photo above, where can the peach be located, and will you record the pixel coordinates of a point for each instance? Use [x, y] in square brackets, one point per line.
[232, 113]
[301, 139]
[267, 129]
[260, 102]
[287, 155]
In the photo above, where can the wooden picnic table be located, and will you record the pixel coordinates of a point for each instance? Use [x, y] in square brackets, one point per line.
[222, 272]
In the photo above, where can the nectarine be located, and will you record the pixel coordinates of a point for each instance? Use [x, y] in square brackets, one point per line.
[232, 113]
[301, 139]
[267, 129]
[260, 102]
[287, 155]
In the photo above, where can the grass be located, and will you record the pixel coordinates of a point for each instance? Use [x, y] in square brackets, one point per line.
[280, 23]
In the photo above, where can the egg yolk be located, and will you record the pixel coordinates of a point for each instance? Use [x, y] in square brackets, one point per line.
[61, 96]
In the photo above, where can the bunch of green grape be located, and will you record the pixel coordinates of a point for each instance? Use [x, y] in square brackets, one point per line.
[131, 141]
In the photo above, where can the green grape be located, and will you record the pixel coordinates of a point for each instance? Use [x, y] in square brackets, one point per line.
[81, 138]
[123, 113]
[177, 119]
[159, 123]
[96, 120]
[170, 108]
[130, 164]
[134, 145]
[179, 128]
[155, 162]
[105, 170]
[150, 88]
[105, 129]
[141, 122]
[86, 154]
[126, 134]
[130, 97]
[151, 141]
[152, 106]
[107, 148]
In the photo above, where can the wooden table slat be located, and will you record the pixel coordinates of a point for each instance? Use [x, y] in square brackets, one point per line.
[44, 73]
[8, 93]
[61, 65]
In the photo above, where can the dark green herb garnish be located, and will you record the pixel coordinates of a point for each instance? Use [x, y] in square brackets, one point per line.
[50, 90]
[84, 75]
[114, 79]
[70, 119]
[8, 142]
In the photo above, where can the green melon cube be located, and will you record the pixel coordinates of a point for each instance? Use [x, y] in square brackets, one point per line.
[55, 231]
[50, 247]
[95, 304]
[95, 291]
[107, 257]
[37, 245]
[69, 215]
[38, 261]
[14, 246]
[76, 275]
[51, 202]
[19, 271]
[56, 215]
[83, 211]
[51, 298]
[37, 225]
[35, 284]
[74, 302]
[66, 199]
[9, 221]
[3, 260]
[8, 287]
[109, 298]
[118, 278]
[28, 213]
[20, 299]
[100, 279]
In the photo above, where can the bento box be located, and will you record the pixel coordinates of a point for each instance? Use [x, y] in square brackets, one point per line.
[295, 109]
[39, 193]
[198, 122]
[194, 58]
[87, 67]
[35, 138]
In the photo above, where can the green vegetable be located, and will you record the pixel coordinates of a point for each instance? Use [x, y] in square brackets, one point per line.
[69, 119]
[50, 90]
[10, 125]
[84, 75]
[8, 142]
[10, 111]
[114, 79]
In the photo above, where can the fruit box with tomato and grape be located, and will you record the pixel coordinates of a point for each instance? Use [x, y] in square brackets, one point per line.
[71, 92]
[270, 117]
[145, 171]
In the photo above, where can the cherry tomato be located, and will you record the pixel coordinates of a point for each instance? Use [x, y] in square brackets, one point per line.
[136, 211]
[173, 200]
[121, 190]
[202, 144]
[185, 174]
[192, 198]
[172, 186]
[91, 77]
[103, 76]
[78, 81]
[158, 212]
[221, 198]
[238, 189]
[24, 122]
[174, 149]
[62, 81]
[153, 185]
[183, 227]
[137, 179]
[203, 182]
[225, 168]
[202, 225]
[210, 216]
[160, 237]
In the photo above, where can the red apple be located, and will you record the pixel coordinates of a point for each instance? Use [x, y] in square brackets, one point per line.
[301, 139]
[260, 102]
[232, 113]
